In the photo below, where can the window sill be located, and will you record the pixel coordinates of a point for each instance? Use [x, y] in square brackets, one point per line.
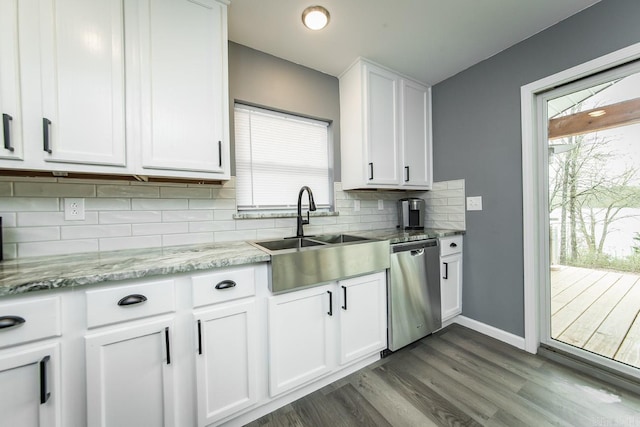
[263, 215]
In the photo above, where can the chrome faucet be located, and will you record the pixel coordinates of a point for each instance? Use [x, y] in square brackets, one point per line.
[312, 207]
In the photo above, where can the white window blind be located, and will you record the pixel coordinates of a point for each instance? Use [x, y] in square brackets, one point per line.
[276, 154]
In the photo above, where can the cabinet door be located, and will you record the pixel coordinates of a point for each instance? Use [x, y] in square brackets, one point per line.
[451, 285]
[226, 360]
[29, 387]
[381, 100]
[183, 51]
[130, 376]
[301, 337]
[10, 102]
[416, 135]
[363, 316]
[81, 44]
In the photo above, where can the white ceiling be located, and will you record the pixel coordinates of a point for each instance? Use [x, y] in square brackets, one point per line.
[429, 40]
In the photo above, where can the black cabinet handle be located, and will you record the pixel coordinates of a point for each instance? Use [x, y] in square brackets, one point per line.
[132, 299]
[370, 171]
[226, 284]
[446, 270]
[330, 312]
[6, 123]
[11, 321]
[220, 153]
[46, 127]
[199, 337]
[44, 392]
[406, 178]
[453, 245]
[344, 294]
[167, 344]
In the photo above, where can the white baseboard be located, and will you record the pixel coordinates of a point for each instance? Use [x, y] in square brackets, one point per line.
[491, 331]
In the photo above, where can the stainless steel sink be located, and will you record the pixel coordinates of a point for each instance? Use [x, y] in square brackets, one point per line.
[303, 262]
[339, 238]
[283, 244]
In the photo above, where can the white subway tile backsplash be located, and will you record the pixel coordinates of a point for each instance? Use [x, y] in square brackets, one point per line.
[186, 239]
[95, 231]
[22, 204]
[128, 191]
[34, 219]
[159, 204]
[8, 219]
[185, 193]
[137, 242]
[175, 216]
[6, 189]
[31, 234]
[123, 215]
[159, 228]
[44, 189]
[129, 217]
[57, 247]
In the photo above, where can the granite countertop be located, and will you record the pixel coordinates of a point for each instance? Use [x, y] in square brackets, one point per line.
[41, 273]
[52, 272]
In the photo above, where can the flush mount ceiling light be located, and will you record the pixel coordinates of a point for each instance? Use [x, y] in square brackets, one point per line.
[597, 113]
[315, 17]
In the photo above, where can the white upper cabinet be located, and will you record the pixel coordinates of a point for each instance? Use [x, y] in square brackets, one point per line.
[181, 78]
[385, 129]
[10, 102]
[82, 60]
[415, 134]
[115, 87]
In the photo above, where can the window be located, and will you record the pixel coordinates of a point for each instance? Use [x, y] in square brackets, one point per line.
[276, 154]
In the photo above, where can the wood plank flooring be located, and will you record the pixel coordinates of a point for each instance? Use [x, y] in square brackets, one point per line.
[598, 311]
[458, 377]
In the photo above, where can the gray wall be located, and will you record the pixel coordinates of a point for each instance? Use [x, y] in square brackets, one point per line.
[264, 80]
[477, 136]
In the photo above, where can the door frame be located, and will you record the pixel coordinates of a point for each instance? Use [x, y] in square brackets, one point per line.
[533, 175]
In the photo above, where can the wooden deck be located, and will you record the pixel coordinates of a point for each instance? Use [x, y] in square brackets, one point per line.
[597, 311]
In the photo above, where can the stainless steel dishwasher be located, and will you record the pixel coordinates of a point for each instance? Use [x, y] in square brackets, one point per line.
[414, 292]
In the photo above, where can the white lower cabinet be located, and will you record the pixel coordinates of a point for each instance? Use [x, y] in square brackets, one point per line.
[301, 337]
[29, 386]
[363, 316]
[207, 349]
[451, 276]
[130, 376]
[226, 361]
[311, 330]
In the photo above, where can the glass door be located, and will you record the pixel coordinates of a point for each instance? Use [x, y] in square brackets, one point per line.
[592, 298]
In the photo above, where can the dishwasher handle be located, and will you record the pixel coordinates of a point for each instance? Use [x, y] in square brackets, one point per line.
[417, 252]
[415, 246]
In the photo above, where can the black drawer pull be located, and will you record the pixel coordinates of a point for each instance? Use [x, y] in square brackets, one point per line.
[6, 123]
[46, 128]
[226, 284]
[45, 394]
[132, 299]
[199, 337]
[167, 344]
[406, 179]
[330, 312]
[220, 153]
[344, 294]
[453, 245]
[11, 321]
[370, 171]
[446, 270]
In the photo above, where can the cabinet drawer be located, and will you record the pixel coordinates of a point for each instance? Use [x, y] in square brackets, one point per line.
[223, 285]
[30, 320]
[450, 245]
[123, 303]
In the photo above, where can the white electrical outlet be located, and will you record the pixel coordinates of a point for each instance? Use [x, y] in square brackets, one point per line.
[356, 205]
[380, 205]
[474, 203]
[73, 209]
